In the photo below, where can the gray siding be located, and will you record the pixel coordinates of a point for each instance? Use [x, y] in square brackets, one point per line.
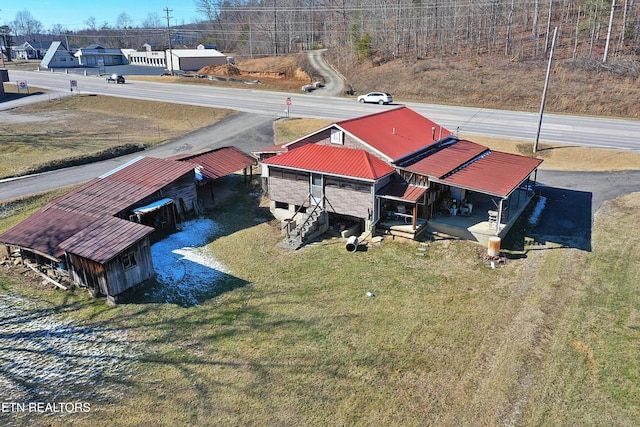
[121, 279]
[349, 202]
[288, 191]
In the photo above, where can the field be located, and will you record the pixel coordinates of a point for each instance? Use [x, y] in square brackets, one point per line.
[291, 338]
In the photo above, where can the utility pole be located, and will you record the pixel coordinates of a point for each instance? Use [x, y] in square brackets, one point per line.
[275, 28]
[170, 58]
[606, 46]
[546, 86]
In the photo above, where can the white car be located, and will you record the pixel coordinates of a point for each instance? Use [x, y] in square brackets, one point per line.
[376, 97]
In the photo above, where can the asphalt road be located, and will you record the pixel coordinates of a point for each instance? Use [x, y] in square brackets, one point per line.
[572, 198]
[563, 129]
[245, 131]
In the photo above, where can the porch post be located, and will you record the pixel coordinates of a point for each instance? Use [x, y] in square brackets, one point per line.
[414, 217]
[499, 217]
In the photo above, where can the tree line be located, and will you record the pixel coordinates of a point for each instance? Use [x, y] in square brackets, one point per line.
[384, 29]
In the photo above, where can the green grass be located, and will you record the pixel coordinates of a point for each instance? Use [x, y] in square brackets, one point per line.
[292, 339]
[77, 129]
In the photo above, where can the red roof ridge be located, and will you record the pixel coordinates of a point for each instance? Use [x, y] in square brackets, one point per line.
[368, 116]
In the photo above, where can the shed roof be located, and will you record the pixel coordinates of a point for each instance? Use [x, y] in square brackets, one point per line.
[43, 231]
[116, 190]
[88, 211]
[333, 160]
[395, 133]
[221, 162]
[402, 191]
[103, 240]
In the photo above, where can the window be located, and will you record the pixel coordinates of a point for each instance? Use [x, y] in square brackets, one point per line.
[337, 137]
[275, 173]
[129, 260]
[363, 188]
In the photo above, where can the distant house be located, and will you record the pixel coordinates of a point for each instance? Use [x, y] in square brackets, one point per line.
[99, 235]
[207, 46]
[96, 55]
[30, 50]
[397, 173]
[59, 56]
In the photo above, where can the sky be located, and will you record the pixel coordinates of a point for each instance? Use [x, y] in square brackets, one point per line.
[73, 14]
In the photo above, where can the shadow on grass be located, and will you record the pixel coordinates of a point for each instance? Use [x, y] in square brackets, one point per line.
[10, 96]
[564, 220]
[188, 273]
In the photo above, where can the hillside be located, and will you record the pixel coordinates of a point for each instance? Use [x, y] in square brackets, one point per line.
[588, 89]
[584, 88]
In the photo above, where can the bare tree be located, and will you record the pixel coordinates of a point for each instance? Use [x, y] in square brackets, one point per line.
[26, 25]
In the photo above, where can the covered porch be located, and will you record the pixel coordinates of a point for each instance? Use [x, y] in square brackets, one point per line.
[402, 210]
[488, 217]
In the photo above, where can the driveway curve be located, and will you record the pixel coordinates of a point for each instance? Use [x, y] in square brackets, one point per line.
[333, 80]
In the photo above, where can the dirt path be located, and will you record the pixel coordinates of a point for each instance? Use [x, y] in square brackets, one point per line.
[334, 82]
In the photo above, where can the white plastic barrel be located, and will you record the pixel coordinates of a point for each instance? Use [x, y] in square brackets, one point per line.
[352, 244]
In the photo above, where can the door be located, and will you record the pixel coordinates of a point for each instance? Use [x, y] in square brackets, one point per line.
[316, 189]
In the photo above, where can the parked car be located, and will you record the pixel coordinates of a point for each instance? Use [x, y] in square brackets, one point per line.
[115, 78]
[376, 97]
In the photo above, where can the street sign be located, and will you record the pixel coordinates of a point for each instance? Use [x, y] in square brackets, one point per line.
[288, 101]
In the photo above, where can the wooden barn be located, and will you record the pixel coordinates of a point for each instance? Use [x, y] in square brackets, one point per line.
[99, 236]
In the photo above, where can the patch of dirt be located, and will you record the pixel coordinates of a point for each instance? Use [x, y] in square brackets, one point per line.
[283, 73]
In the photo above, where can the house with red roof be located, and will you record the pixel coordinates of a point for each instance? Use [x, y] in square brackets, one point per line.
[395, 172]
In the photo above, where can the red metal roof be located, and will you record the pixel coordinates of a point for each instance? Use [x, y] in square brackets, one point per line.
[402, 191]
[333, 160]
[221, 162]
[103, 240]
[446, 158]
[495, 173]
[395, 133]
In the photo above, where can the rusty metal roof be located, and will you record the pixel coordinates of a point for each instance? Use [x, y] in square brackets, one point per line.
[395, 133]
[327, 159]
[103, 240]
[221, 162]
[90, 209]
[43, 231]
[116, 190]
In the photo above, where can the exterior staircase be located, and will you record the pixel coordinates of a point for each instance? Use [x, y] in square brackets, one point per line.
[308, 228]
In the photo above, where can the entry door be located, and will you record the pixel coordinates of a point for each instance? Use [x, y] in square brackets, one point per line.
[316, 189]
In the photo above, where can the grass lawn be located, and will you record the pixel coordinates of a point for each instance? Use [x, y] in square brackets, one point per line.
[291, 338]
[67, 128]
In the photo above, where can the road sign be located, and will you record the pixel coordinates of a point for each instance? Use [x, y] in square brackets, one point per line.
[288, 101]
